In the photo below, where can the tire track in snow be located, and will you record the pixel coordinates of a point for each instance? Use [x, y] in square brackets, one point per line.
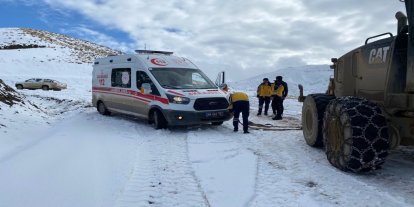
[225, 168]
[162, 174]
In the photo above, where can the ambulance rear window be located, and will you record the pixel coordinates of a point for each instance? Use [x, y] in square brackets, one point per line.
[121, 77]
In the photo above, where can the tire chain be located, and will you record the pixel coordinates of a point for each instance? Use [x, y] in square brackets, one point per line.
[369, 139]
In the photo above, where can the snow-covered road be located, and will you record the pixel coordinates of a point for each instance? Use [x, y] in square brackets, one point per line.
[91, 160]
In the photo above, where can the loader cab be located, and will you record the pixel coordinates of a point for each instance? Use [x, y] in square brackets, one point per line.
[363, 71]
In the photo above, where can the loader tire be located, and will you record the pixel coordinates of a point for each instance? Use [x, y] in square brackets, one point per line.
[355, 134]
[312, 118]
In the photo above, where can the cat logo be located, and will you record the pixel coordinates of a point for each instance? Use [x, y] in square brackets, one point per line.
[378, 56]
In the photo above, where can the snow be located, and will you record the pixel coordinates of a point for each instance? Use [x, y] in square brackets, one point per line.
[314, 78]
[74, 163]
[56, 150]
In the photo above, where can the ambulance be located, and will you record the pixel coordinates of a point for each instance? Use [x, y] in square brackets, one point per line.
[158, 86]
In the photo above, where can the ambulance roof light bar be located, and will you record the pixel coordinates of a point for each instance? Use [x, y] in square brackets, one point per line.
[153, 52]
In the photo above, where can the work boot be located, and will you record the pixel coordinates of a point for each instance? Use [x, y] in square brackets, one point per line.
[265, 113]
[277, 118]
[246, 132]
[235, 130]
[259, 114]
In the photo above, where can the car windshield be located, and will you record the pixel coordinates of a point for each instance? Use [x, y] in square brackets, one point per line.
[182, 78]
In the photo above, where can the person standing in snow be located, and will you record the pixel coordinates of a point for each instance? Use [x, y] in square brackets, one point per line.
[264, 92]
[285, 92]
[239, 104]
[277, 103]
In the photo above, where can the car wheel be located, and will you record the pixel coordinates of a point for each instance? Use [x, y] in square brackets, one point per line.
[217, 123]
[45, 88]
[20, 87]
[159, 120]
[102, 109]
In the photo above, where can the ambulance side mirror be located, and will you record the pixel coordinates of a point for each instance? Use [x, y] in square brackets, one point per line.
[221, 78]
[146, 88]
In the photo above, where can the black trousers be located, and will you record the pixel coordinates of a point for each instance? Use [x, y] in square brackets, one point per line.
[242, 107]
[263, 100]
[277, 106]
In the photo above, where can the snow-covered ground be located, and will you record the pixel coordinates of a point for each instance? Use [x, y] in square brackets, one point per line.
[63, 153]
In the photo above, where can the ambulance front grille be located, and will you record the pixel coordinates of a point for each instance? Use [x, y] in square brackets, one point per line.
[206, 104]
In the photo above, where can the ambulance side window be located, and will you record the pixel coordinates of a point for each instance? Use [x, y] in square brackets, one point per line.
[142, 77]
[121, 77]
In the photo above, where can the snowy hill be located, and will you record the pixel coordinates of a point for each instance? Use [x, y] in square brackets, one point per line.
[79, 51]
[44, 54]
[314, 78]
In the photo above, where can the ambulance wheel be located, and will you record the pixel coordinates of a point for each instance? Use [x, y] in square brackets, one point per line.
[217, 123]
[45, 88]
[20, 87]
[102, 109]
[159, 120]
[355, 134]
[312, 118]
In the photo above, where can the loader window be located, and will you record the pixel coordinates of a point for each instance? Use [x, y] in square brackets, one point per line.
[121, 78]
[339, 71]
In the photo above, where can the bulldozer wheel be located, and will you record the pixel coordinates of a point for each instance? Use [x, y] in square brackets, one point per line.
[312, 118]
[355, 134]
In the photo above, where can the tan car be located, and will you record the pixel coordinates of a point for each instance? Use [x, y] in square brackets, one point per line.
[39, 83]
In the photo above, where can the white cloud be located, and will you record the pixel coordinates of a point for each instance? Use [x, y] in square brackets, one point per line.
[244, 37]
[98, 38]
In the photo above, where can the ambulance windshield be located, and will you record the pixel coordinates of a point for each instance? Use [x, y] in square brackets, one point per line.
[182, 78]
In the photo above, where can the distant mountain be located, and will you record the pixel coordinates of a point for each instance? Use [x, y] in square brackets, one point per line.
[314, 78]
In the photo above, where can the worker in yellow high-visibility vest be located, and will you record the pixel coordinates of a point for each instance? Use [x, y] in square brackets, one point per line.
[239, 104]
[264, 93]
[277, 102]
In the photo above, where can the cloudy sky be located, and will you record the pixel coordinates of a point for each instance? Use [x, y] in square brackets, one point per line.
[244, 38]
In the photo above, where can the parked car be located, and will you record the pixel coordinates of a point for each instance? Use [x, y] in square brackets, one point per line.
[39, 83]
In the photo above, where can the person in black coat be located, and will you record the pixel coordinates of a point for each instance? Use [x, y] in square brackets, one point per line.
[285, 91]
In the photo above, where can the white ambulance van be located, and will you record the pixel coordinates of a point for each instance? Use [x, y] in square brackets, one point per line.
[164, 89]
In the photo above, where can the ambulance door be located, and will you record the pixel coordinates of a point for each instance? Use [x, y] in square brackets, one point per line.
[121, 89]
[143, 79]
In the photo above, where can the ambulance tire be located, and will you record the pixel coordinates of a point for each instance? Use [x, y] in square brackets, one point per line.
[102, 109]
[217, 123]
[159, 121]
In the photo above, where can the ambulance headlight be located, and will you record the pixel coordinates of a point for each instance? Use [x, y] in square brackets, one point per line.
[178, 99]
